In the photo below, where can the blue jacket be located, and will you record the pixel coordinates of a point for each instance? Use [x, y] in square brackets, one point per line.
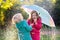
[23, 30]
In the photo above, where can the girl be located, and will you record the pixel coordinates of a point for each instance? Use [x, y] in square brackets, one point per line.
[22, 26]
[35, 21]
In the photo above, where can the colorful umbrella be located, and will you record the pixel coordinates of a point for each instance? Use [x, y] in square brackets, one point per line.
[45, 16]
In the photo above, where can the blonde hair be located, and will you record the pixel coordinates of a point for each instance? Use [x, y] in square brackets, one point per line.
[18, 15]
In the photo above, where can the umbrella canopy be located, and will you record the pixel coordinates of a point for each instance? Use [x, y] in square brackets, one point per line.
[45, 16]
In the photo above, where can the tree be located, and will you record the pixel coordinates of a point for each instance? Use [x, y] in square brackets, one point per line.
[8, 8]
[56, 13]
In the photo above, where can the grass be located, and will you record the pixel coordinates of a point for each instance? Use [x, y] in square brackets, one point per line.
[12, 30]
[1, 34]
[45, 37]
[57, 37]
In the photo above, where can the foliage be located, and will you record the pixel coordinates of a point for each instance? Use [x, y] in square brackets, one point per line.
[25, 15]
[56, 13]
[7, 10]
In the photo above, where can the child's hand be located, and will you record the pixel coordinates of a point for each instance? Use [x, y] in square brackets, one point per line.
[33, 28]
[31, 24]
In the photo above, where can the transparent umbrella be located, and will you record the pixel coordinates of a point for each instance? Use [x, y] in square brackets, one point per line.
[45, 16]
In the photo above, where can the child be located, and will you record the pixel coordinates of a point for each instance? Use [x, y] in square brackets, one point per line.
[36, 23]
[22, 26]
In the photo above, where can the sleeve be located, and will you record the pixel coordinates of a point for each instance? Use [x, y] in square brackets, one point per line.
[27, 26]
[38, 25]
[18, 26]
[28, 22]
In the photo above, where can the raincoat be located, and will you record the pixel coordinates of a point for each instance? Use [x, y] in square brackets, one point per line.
[35, 33]
[23, 30]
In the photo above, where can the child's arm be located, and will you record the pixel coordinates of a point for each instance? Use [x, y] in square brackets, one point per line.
[38, 26]
[28, 27]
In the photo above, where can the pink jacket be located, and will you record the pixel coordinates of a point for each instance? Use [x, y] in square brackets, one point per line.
[35, 33]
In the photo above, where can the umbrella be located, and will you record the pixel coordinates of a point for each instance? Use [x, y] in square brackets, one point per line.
[45, 16]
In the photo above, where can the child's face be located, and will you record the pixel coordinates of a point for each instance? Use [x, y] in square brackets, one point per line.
[17, 19]
[34, 16]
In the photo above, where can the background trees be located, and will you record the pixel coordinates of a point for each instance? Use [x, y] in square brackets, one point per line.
[56, 13]
[7, 9]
